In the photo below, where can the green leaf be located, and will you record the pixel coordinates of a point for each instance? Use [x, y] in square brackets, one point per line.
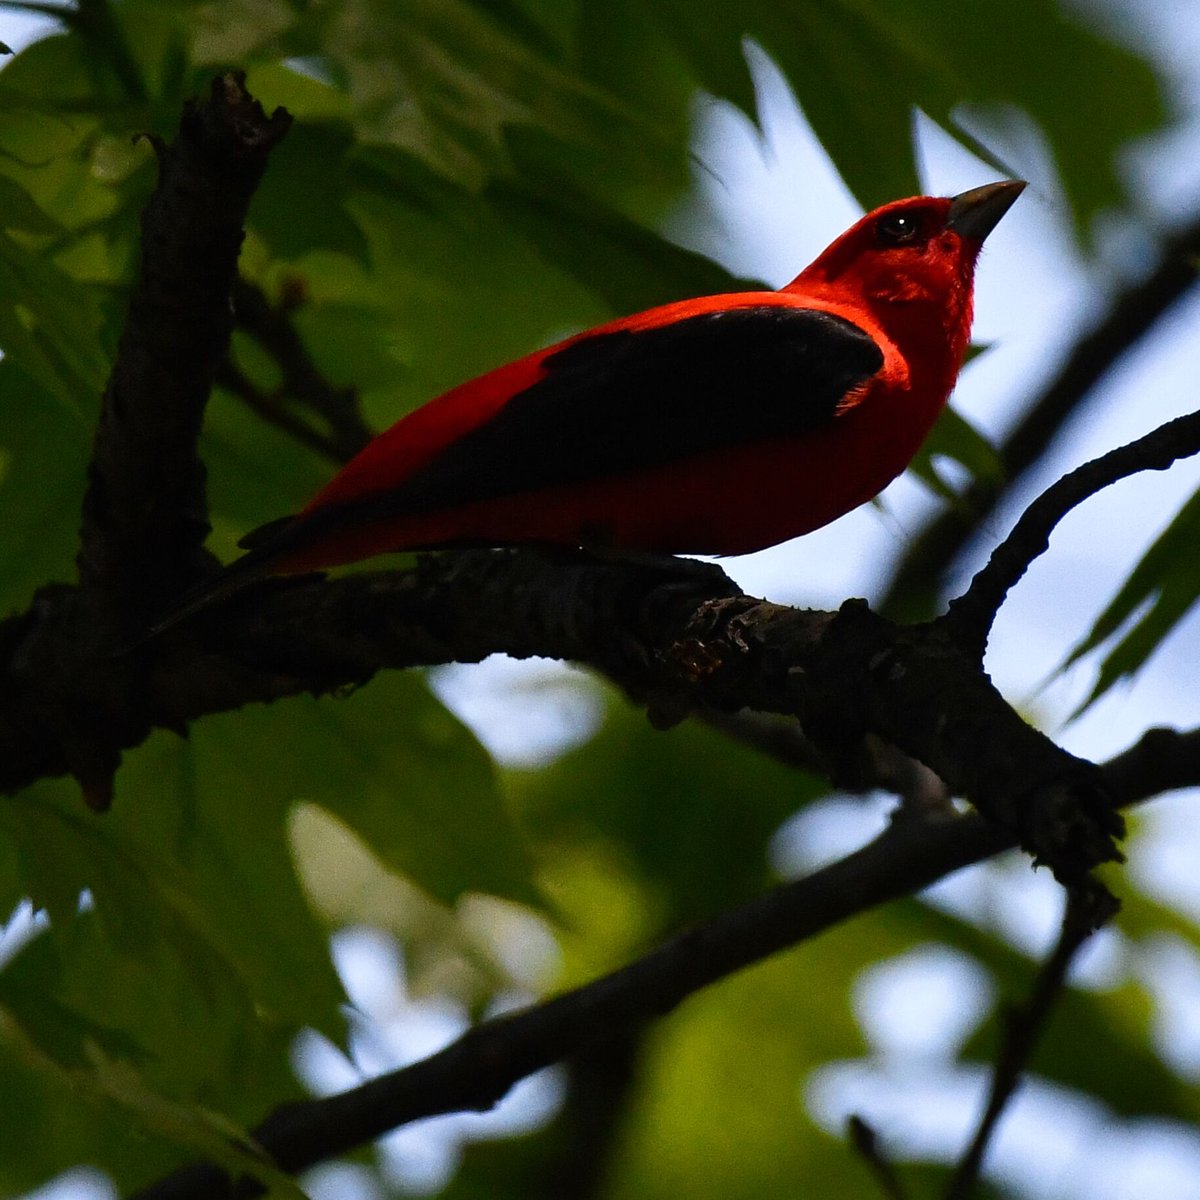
[310, 163]
[628, 266]
[860, 67]
[391, 763]
[18, 210]
[443, 79]
[50, 325]
[954, 437]
[117, 1086]
[689, 810]
[151, 980]
[1159, 592]
[44, 448]
[174, 884]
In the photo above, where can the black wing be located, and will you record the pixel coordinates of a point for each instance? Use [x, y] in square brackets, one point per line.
[620, 402]
[615, 403]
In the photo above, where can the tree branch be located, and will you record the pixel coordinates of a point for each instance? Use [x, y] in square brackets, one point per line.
[476, 1071]
[865, 1141]
[970, 616]
[676, 636]
[1086, 911]
[144, 515]
[340, 431]
[600, 1088]
[67, 704]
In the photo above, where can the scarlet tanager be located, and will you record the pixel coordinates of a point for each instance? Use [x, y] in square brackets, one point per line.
[717, 425]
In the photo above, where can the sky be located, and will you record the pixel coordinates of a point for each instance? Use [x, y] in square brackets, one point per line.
[1034, 293]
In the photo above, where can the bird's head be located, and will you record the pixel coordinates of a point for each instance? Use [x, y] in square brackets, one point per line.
[918, 252]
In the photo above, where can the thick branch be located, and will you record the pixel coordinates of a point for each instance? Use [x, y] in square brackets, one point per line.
[478, 1069]
[66, 703]
[679, 638]
[145, 517]
[675, 635]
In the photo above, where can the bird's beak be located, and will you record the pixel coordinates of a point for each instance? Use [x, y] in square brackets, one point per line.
[976, 213]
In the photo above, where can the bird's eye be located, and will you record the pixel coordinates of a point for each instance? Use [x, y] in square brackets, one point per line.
[896, 229]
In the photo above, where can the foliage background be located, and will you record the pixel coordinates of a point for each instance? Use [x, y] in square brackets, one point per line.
[469, 179]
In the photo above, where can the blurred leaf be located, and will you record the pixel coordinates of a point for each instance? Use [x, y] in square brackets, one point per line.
[955, 438]
[230, 31]
[19, 211]
[444, 78]
[213, 903]
[200, 957]
[1159, 592]
[859, 67]
[191, 1129]
[690, 810]
[148, 979]
[50, 326]
[390, 762]
[301, 203]
[1096, 1043]
[627, 265]
[44, 449]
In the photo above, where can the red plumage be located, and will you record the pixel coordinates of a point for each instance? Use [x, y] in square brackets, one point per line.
[715, 425]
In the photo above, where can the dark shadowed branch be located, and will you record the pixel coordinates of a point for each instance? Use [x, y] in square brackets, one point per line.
[145, 515]
[306, 405]
[970, 616]
[866, 1142]
[1085, 912]
[678, 637]
[601, 1084]
[66, 703]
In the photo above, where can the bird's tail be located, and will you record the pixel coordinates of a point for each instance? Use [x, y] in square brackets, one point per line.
[265, 548]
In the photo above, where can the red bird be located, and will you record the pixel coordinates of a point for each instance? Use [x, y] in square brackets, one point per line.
[717, 425]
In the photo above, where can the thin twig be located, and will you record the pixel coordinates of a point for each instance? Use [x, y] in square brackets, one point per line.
[272, 410]
[970, 617]
[345, 432]
[601, 1084]
[865, 1140]
[1086, 911]
[876, 764]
